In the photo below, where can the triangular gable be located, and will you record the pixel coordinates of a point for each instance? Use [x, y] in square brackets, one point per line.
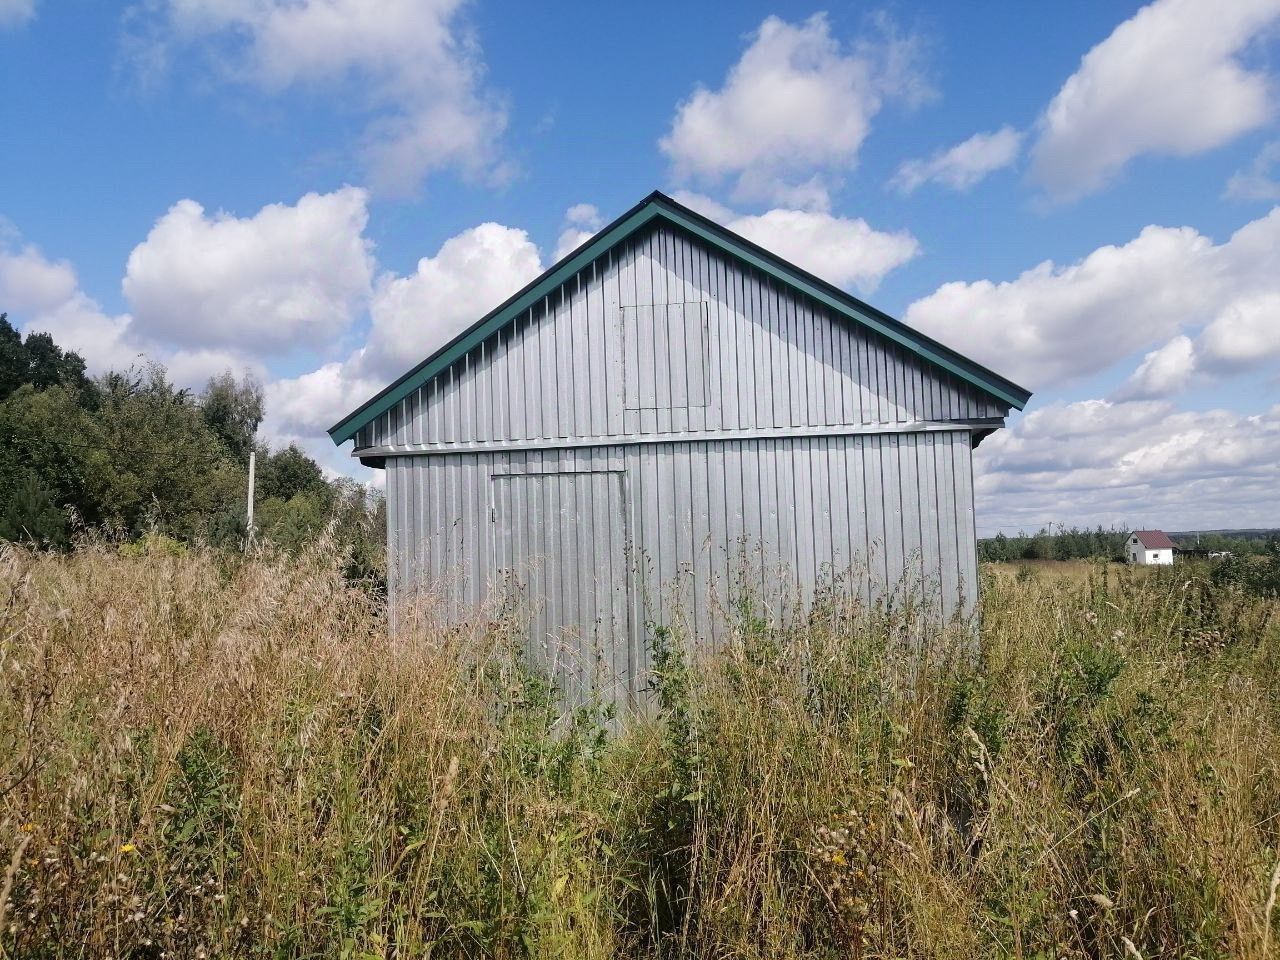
[658, 205]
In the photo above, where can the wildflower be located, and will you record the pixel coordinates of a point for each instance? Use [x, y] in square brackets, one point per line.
[846, 862]
[28, 828]
[127, 848]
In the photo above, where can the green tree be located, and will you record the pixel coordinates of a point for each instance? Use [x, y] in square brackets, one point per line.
[143, 457]
[32, 515]
[13, 358]
[288, 472]
[1256, 572]
[49, 434]
[171, 470]
[233, 410]
[133, 452]
[1039, 547]
[49, 366]
[37, 361]
[291, 523]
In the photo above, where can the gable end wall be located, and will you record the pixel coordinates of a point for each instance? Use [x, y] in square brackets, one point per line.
[774, 360]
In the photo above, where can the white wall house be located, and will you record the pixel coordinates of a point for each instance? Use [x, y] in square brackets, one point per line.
[1149, 548]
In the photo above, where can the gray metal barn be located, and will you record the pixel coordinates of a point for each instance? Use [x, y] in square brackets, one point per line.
[668, 409]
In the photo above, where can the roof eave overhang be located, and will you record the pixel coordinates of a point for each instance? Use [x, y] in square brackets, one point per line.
[654, 206]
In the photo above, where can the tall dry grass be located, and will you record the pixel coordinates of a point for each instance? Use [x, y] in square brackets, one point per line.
[204, 755]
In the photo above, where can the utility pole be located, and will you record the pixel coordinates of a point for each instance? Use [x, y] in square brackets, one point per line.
[253, 456]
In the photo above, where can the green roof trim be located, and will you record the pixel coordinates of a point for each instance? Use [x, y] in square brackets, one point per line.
[659, 205]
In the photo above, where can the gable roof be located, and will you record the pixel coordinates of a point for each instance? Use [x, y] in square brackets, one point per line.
[1154, 539]
[659, 206]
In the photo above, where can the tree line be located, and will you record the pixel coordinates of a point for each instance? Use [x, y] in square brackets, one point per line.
[1077, 543]
[130, 453]
[1064, 543]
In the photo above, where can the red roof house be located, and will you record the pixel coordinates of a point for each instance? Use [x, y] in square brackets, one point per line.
[1149, 548]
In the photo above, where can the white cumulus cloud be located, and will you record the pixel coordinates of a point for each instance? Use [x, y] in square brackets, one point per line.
[963, 166]
[284, 277]
[1139, 463]
[225, 293]
[314, 401]
[792, 113]
[79, 323]
[411, 317]
[193, 367]
[44, 296]
[207, 300]
[32, 284]
[581, 221]
[418, 64]
[1244, 333]
[215, 293]
[1169, 80]
[1054, 324]
[1261, 179]
[1162, 372]
[470, 274]
[845, 251]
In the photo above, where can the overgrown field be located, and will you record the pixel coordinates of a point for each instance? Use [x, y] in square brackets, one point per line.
[203, 755]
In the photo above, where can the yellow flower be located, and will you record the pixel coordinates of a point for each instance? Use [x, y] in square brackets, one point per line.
[28, 828]
[127, 848]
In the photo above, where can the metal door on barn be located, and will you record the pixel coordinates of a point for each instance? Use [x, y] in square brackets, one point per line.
[560, 552]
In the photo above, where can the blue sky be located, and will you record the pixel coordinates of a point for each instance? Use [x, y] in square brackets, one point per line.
[317, 190]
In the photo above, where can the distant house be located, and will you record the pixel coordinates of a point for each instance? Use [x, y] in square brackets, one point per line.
[1148, 548]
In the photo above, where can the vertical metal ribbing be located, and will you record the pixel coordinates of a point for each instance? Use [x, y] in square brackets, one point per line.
[711, 344]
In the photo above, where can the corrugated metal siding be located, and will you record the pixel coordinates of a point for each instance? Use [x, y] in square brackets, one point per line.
[772, 359]
[560, 549]
[699, 521]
